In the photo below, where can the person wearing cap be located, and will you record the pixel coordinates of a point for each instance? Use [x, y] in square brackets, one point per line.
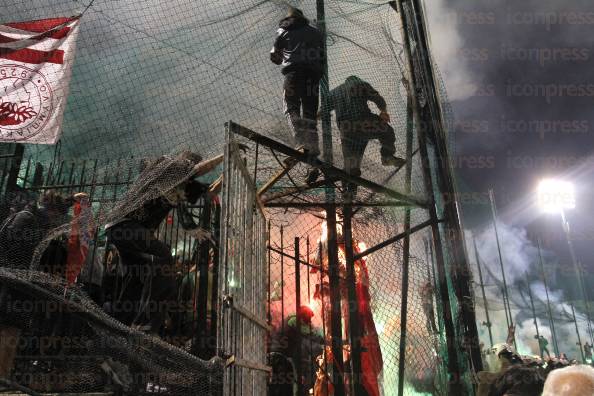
[299, 342]
[147, 261]
[299, 49]
[358, 124]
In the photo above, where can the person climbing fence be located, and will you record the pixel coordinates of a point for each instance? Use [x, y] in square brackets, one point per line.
[299, 48]
[358, 125]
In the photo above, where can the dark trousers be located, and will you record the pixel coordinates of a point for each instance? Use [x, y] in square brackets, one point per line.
[300, 99]
[149, 285]
[356, 134]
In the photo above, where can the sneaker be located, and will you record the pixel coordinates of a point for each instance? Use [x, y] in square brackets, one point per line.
[391, 160]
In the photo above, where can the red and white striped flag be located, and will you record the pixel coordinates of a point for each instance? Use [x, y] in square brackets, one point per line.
[35, 65]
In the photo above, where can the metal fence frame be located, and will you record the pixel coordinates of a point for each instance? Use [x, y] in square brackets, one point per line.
[243, 282]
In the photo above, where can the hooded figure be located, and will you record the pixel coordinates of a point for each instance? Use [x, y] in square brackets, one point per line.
[162, 186]
[299, 49]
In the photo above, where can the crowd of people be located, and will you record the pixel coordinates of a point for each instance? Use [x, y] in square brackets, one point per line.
[138, 282]
[509, 374]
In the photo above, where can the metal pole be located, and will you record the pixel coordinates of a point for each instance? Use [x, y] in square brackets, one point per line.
[587, 299]
[574, 261]
[510, 320]
[282, 276]
[202, 343]
[298, 360]
[482, 284]
[534, 317]
[354, 324]
[214, 297]
[577, 331]
[324, 88]
[333, 267]
[15, 167]
[406, 251]
[544, 279]
[455, 386]
[335, 304]
[433, 128]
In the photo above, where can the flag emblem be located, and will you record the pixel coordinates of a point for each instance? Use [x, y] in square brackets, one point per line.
[35, 67]
[26, 101]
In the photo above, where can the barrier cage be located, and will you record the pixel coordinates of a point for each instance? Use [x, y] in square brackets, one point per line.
[304, 277]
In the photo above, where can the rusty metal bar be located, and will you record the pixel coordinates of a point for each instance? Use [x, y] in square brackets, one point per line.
[395, 238]
[355, 332]
[335, 304]
[326, 168]
[299, 340]
[325, 205]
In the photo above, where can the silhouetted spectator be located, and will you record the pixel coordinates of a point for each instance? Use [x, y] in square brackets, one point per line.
[518, 380]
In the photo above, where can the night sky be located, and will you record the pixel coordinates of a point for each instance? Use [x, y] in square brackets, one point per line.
[522, 92]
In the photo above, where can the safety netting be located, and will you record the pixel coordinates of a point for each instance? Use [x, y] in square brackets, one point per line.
[151, 79]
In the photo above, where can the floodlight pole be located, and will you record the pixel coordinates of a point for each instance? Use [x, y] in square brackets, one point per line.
[576, 267]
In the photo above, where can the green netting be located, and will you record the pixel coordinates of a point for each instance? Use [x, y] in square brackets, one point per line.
[152, 78]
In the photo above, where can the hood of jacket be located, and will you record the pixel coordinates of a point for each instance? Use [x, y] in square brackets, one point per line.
[290, 23]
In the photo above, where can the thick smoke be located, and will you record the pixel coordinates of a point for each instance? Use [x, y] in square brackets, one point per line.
[446, 45]
[523, 277]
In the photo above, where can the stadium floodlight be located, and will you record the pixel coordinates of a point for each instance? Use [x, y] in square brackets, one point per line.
[554, 196]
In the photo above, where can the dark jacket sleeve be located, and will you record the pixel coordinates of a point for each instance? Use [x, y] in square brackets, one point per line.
[375, 97]
[24, 230]
[276, 53]
[23, 221]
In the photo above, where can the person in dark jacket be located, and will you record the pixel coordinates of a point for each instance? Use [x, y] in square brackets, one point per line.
[358, 125]
[19, 235]
[21, 232]
[147, 261]
[518, 380]
[294, 348]
[299, 49]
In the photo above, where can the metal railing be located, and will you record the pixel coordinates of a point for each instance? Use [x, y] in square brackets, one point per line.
[242, 279]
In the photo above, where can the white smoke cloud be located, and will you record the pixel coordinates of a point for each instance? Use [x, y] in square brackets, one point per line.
[522, 266]
[446, 47]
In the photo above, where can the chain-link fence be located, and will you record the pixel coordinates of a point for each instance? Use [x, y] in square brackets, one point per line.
[374, 288]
